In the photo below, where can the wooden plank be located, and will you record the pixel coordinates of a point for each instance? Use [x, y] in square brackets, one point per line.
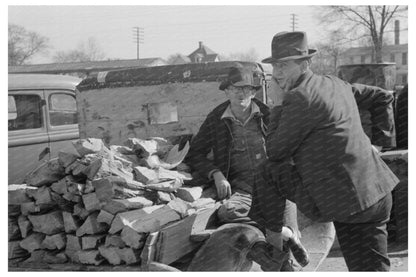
[91, 226]
[32, 242]
[148, 219]
[46, 174]
[57, 241]
[50, 223]
[115, 206]
[175, 239]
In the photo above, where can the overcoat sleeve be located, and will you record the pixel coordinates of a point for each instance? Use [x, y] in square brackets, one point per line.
[379, 103]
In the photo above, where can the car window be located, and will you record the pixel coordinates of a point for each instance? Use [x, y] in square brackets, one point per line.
[62, 109]
[25, 111]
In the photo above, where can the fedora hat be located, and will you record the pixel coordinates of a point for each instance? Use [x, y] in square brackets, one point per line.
[289, 46]
[240, 76]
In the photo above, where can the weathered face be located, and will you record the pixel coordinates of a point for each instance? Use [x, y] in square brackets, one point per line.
[240, 96]
[287, 73]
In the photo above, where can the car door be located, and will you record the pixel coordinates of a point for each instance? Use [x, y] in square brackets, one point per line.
[27, 133]
[62, 120]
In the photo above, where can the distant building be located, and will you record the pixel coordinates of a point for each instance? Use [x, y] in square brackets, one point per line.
[397, 53]
[83, 69]
[203, 54]
[180, 59]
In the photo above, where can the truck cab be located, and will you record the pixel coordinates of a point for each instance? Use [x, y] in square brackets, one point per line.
[42, 120]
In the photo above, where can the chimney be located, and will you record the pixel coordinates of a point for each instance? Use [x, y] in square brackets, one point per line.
[201, 45]
[397, 32]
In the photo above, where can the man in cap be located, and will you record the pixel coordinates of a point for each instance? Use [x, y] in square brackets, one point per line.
[235, 133]
[320, 158]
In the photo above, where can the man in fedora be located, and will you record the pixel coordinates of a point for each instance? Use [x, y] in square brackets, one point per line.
[235, 133]
[320, 158]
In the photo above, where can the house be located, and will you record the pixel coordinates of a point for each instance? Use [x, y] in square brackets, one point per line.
[203, 54]
[84, 69]
[180, 59]
[397, 53]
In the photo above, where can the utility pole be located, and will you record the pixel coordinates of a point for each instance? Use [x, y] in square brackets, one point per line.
[294, 23]
[138, 34]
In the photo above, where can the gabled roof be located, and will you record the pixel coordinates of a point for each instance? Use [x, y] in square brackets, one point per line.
[203, 50]
[85, 66]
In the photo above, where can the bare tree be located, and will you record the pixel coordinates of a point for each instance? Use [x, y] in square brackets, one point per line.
[89, 51]
[329, 54]
[358, 22]
[250, 56]
[24, 44]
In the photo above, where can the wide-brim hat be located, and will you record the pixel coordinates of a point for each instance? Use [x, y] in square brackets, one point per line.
[289, 46]
[240, 76]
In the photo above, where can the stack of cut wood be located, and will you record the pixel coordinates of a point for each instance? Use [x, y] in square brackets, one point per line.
[100, 205]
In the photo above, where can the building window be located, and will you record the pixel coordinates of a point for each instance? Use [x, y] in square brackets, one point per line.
[351, 60]
[404, 58]
[392, 58]
[363, 59]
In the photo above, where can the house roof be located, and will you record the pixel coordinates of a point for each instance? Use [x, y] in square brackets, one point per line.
[85, 66]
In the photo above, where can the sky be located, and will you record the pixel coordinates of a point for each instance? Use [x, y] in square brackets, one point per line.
[166, 29]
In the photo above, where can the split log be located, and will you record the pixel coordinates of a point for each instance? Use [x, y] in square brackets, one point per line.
[13, 210]
[129, 255]
[50, 223]
[144, 174]
[42, 196]
[91, 226]
[24, 225]
[110, 254]
[132, 238]
[92, 242]
[115, 206]
[164, 197]
[89, 146]
[148, 219]
[13, 230]
[89, 257]
[189, 194]
[57, 241]
[67, 158]
[55, 258]
[80, 211]
[61, 186]
[149, 250]
[72, 255]
[105, 217]
[91, 202]
[17, 194]
[73, 243]
[88, 187]
[71, 224]
[116, 187]
[16, 251]
[167, 186]
[76, 188]
[32, 242]
[62, 203]
[114, 240]
[46, 174]
[72, 197]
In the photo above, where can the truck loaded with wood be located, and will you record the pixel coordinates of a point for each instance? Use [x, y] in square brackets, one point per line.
[124, 197]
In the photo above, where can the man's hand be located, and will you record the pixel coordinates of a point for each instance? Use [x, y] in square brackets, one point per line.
[275, 239]
[222, 185]
[277, 92]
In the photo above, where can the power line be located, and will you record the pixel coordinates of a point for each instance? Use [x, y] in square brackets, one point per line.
[138, 36]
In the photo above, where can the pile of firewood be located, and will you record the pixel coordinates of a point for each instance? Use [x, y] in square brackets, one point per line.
[99, 205]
